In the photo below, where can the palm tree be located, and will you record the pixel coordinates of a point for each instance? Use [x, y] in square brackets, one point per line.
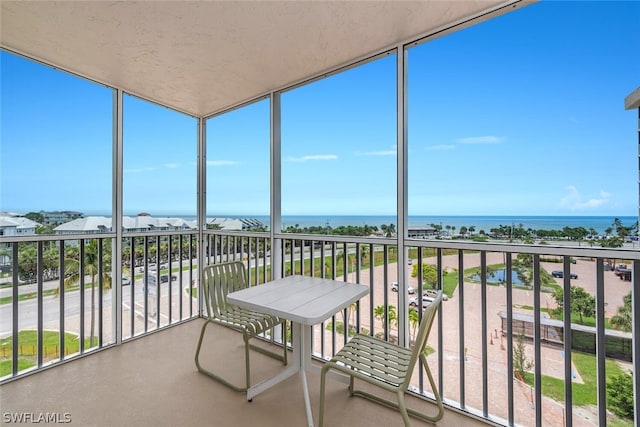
[624, 319]
[351, 312]
[379, 313]
[414, 320]
[91, 266]
[364, 249]
[391, 230]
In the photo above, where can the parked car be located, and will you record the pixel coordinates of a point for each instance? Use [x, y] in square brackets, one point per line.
[432, 293]
[624, 274]
[619, 269]
[560, 274]
[164, 278]
[125, 281]
[413, 302]
[394, 288]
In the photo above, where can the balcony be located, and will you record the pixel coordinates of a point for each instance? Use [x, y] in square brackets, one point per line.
[500, 351]
[94, 325]
[153, 381]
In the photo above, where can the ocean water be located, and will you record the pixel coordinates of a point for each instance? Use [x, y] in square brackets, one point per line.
[486, 223]
[598, 223]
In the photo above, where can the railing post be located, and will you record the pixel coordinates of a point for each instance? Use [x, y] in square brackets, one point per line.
[402, 204]
[635, 310]
[202, 207]
[116, 219]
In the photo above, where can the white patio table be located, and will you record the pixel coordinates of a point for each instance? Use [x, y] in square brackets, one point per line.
[305, 301]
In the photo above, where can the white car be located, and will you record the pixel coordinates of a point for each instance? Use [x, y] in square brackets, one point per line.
[426, 300]
[432, 293]
[394, 288]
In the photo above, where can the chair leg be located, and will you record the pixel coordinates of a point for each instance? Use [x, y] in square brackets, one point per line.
[210, 373]
[246, 360]
[284, 342]
[204, 327]
[403, 409]
[272, 354]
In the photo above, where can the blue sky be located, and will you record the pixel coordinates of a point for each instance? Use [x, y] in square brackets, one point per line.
[520, 115]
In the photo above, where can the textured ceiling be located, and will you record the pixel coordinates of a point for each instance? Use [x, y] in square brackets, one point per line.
[200, 57]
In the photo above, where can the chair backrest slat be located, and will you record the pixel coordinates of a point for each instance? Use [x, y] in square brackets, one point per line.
[428, 316]
[219, 280]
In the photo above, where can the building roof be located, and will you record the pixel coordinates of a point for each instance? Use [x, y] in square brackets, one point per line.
[201, 57]
[145, 223]
[86, 224]
[16, 221]
[226, 223]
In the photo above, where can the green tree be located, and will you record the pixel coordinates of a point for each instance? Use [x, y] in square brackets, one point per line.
[429, 274]
[621, 397]
[623, 320]
[391, 316]
[389, 230]
[414, 321]
[364, 250]
[582, 302]
[623, 231]
[91, 268]
[27, 261]
[612, 242]
[520, 361]
[35, 216]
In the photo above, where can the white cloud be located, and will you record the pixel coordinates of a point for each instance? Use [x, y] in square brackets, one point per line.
[222, 162]
[575, 201]
[489, 139]
[313, 157]
[172, 165]
[140, 170]
[379, 153]
[440, 147]
[393, 150]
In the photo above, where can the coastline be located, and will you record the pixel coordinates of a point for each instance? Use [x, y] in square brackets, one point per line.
[598, 223]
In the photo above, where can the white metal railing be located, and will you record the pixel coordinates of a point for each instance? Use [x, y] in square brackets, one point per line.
[486, 330]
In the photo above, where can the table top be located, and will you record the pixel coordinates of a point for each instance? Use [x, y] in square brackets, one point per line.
[302, 299]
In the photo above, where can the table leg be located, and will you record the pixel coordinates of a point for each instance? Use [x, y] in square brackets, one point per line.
[305, 363]
[301, 337]
[293, 367]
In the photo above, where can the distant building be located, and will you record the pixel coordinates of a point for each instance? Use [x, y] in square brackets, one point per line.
[421, 232]
[59, 217]
[86, 225]
[147, 223]
[11, 225]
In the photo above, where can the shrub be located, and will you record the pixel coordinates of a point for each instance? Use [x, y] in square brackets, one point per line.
[620, 392]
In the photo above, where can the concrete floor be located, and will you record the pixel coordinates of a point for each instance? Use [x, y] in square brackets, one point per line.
[153, 381]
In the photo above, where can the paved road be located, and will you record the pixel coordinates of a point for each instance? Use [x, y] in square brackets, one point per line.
[28, 309]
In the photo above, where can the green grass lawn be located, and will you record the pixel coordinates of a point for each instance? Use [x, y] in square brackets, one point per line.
[28, 347]
[582, 394]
